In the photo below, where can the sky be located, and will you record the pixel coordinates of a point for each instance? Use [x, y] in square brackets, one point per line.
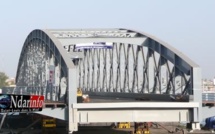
[187, 25]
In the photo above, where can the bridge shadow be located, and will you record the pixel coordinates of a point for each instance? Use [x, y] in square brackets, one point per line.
[101, 130]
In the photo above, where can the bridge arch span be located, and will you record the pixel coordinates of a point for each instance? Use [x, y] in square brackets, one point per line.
[129, 63]
[41, 53]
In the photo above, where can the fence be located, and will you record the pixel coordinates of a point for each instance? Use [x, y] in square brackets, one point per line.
[208, 97]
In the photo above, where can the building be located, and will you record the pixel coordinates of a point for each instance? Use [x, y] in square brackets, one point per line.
[208, 85]
[11, 82]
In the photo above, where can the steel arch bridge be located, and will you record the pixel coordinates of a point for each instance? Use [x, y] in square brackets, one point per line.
[105, 63]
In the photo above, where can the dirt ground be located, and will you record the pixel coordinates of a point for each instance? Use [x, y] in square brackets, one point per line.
[167, 128]
[164, 129]
[113, 130]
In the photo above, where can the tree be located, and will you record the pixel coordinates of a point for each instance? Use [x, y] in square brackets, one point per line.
[3, 78]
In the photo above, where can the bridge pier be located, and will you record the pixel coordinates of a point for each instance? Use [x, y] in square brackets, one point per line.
[197, 97]
[196, 126]
[72, 99]
[193, 126]
[73, 124]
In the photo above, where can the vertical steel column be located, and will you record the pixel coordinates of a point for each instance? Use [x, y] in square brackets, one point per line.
[72, 98]
[197, 93]
[150, 70]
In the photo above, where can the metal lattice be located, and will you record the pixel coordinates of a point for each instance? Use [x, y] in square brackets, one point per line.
[129, 68]
[136, 63]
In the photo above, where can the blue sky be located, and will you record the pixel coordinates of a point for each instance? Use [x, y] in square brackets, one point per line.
[188, 25]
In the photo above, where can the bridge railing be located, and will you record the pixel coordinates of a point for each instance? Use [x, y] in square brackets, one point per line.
[209, 97]
[23, 90]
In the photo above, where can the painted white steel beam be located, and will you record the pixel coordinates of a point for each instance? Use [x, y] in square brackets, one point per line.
[59, 113]
[130, 105]
[134, 40]
[136, 115]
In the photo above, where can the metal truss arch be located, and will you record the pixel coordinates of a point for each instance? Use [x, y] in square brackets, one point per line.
[42, 34]
[182, 59]
[137, 63]
[43, 62]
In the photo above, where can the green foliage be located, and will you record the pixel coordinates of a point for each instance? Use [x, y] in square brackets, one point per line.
[3, 78]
